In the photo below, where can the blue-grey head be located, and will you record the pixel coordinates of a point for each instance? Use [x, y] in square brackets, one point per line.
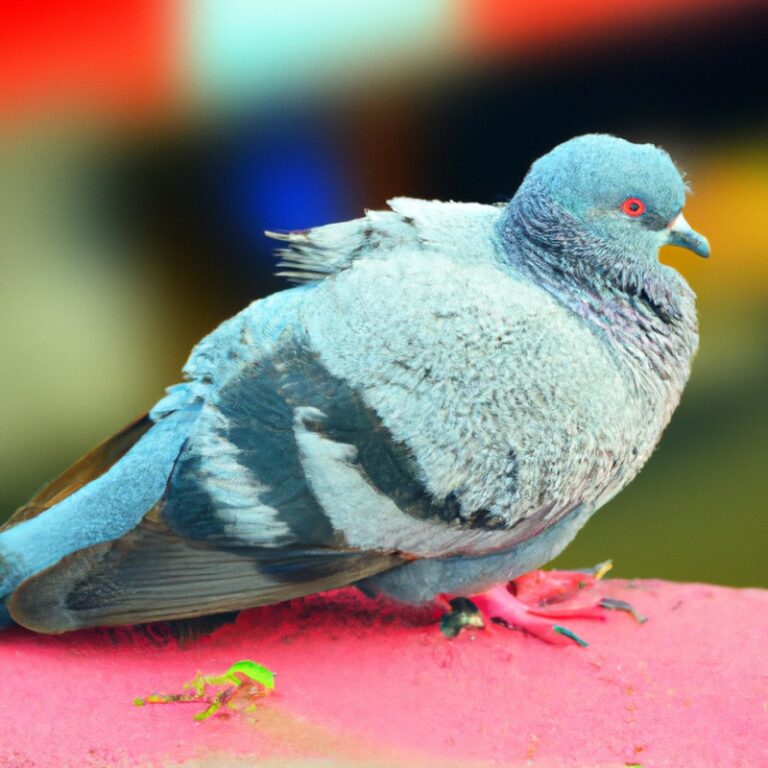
[601, 198]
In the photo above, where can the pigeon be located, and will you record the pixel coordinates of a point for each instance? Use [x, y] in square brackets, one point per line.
[441, 401]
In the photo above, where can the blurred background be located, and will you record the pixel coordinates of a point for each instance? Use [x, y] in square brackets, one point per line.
[145, 146]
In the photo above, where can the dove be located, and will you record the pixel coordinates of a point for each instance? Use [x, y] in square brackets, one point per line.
[441, 401]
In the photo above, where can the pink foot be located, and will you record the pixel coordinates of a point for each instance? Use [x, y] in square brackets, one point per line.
[534, 603]
[500, 603]
[547, 587]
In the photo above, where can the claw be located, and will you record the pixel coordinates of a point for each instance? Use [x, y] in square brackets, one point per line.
[613, 604]
[572, 635]
[463, 613]
[601, 569]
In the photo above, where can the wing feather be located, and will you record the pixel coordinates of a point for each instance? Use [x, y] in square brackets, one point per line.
[152, 574]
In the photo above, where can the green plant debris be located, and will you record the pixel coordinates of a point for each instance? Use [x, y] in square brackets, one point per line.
[238, 688]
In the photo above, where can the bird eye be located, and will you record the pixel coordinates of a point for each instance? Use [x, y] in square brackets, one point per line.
[633, 206]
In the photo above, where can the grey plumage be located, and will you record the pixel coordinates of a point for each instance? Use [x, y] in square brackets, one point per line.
[440, 406]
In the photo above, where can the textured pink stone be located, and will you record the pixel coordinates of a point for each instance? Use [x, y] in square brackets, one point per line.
[361, 681]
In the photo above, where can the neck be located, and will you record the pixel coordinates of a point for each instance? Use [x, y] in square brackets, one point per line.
[643, 305]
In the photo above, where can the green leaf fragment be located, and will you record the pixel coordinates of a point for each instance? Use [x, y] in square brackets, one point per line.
[214, 707]
[237, 676]
[257, 672]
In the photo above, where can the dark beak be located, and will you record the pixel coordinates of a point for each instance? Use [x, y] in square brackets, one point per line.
[680, 233]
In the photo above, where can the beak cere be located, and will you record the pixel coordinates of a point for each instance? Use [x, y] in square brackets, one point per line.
[680, 233]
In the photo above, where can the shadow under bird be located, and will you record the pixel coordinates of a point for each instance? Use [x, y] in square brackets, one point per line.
[447, 396]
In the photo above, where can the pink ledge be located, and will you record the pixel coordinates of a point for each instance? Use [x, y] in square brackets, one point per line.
[363, 682]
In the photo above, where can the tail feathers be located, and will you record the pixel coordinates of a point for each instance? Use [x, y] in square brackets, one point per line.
[152, 574]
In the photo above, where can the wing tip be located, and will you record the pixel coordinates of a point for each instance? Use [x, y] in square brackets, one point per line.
[36, 606]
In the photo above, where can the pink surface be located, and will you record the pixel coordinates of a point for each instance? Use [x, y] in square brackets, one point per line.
[365, 682]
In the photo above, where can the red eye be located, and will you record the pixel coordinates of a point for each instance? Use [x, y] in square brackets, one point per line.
[633, 206]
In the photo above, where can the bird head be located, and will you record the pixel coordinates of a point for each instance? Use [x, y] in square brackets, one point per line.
[625, 197]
